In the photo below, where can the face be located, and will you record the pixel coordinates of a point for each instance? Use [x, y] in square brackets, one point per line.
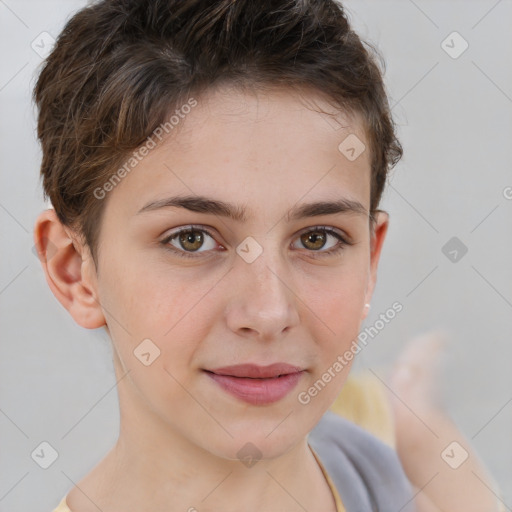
[242, 271]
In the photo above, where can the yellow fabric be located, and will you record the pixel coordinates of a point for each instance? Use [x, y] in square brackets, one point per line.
[363, 401]
[62, 507]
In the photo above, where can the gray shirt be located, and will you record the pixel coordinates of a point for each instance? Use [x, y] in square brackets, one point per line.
[366, 472]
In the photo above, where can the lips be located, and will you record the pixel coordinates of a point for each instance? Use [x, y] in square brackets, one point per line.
[257, 385]
[255, 371]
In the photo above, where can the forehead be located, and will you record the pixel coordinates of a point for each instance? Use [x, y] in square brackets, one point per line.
[263, 148]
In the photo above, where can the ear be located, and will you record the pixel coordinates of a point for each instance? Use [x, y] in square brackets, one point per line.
[377, 235]
[69, 269]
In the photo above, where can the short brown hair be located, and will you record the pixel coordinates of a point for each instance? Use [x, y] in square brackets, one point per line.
[120, 66]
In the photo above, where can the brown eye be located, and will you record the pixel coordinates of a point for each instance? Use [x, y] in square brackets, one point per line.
[191, 240]
[321, 241]
[313, 240]
[188, 242]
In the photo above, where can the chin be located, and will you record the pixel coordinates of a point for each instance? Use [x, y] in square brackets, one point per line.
[267, 439]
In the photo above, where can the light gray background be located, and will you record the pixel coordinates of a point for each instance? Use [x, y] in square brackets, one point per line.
[455, 117]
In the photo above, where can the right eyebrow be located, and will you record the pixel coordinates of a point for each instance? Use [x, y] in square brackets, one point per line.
[199, 204]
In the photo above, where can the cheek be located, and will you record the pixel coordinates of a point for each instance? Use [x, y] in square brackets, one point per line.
[150, 299]
[172, 308]
[155, 327]
[338, 304]
[338, 295]
[338, 308]
[343, 302]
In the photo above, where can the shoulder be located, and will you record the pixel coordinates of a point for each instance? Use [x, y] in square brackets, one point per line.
[366, 472]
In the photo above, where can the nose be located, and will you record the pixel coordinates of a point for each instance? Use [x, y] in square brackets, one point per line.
[263, 304]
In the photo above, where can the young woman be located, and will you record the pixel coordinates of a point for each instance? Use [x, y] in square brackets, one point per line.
[215, 170]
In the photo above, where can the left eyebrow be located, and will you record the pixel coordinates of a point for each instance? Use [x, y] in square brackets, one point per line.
[201, 204]
[326, 208]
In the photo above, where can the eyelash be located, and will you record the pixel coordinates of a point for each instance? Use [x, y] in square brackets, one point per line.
[342, 242]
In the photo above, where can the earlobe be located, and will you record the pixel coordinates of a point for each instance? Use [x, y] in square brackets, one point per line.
[366, 310]
[67, 272]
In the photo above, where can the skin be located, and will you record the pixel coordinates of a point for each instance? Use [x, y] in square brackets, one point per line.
[180, 432]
